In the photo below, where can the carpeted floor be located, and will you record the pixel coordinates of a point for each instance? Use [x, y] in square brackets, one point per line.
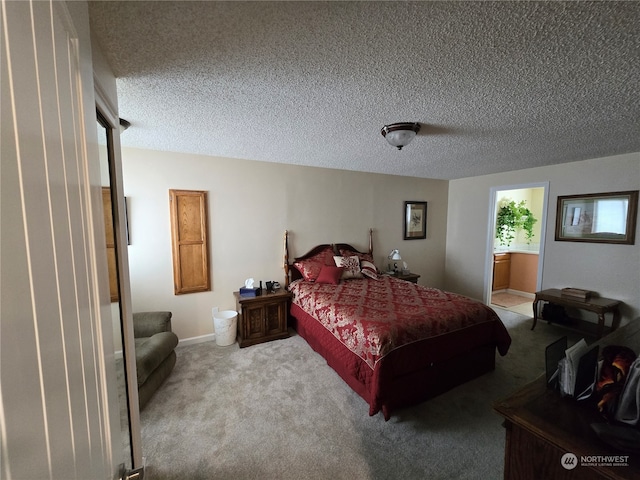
[277, 411]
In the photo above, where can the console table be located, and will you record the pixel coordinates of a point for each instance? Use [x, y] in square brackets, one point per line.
[598, 305]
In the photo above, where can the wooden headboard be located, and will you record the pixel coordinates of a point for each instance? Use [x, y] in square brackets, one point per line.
[291, 273]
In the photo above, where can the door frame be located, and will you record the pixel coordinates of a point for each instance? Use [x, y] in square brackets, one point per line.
[108, 112]
[493, 199]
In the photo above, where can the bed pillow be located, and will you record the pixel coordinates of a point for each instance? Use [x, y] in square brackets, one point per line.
[310, 267]
[350, 265]
[369, 270]
[330, 274]
[362, 256]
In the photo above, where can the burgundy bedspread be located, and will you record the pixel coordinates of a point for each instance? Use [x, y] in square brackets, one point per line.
[394, 342]
[374, 317]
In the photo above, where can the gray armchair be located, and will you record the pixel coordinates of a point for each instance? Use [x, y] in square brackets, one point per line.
[155, 355]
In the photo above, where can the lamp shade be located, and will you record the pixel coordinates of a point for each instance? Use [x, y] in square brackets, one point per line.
[395, 255]
[400, 134]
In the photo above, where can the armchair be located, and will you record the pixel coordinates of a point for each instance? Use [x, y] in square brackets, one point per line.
[155, 355]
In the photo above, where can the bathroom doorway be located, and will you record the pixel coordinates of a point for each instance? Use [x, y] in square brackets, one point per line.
[514, 260]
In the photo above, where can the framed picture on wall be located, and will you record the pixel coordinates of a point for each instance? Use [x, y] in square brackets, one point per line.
[415, 220]
[597, 217]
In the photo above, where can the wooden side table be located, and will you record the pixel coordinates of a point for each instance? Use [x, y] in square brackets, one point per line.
[598, 305]
[262, 318]
[409, 277]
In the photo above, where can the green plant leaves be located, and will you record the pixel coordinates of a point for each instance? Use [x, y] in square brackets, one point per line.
[511, 218]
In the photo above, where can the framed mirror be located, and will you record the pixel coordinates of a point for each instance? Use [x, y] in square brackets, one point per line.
[105, 145]
[597, 217]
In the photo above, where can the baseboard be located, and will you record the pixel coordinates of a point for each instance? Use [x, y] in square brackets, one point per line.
[210, 337]
[522, 294]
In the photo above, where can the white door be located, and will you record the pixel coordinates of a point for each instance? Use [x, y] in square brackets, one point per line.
[58, 401]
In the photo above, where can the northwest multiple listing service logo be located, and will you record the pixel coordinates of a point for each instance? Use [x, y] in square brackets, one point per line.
[569, 461]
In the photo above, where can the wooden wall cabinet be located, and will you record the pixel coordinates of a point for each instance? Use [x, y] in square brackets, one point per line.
[501, 271]
[524, 272]
[262, 318]
[111, 245]
[190, 241]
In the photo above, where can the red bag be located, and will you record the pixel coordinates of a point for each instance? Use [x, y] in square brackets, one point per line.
[615, 367]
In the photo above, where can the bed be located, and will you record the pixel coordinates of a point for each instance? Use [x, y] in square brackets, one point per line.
[394, 342]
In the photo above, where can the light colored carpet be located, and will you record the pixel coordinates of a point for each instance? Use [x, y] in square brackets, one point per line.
[523, 309]
[277, 411]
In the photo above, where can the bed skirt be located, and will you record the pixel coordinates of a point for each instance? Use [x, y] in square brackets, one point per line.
[410, 374]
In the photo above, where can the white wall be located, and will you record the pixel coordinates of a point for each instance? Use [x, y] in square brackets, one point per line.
[251, 204]
[611, 270]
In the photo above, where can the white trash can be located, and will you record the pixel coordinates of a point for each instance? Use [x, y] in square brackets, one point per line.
[225, 325]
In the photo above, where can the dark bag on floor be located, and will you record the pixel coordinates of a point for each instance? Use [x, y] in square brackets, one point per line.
[554, 313]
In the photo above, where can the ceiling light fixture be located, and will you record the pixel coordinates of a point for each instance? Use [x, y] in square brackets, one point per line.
[400, 134]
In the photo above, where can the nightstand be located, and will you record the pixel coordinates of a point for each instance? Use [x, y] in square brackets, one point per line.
[409, 277]
[262, 318]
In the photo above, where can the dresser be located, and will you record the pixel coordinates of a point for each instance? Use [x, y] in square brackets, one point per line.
[262, 318]
[549, 437]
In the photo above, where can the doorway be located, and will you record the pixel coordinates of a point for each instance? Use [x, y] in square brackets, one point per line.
[514, 261]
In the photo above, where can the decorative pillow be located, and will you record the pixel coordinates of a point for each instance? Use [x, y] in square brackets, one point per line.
[330, 274]
[368, 269]
[310, 267]
[362, 256]
[351, 266]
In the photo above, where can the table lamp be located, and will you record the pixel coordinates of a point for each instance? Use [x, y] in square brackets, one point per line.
[395, 256]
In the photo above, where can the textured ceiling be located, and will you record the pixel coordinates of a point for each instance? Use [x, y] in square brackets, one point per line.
[496, 86]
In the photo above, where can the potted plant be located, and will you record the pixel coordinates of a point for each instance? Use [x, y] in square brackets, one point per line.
[511, 218]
